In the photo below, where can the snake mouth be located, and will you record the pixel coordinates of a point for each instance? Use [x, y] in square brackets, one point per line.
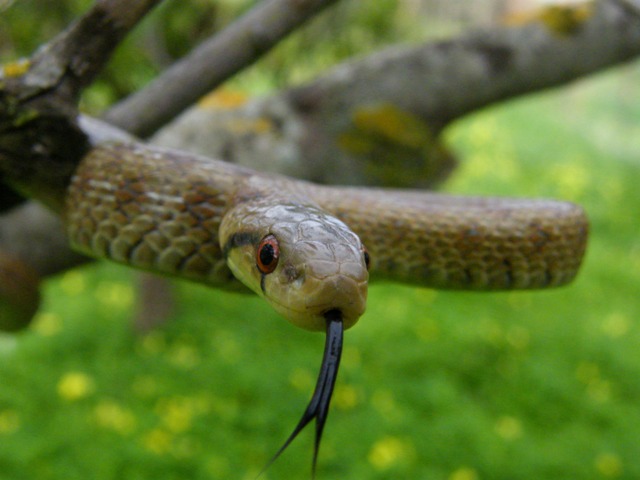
[314, 317]
[308, 309]
[318, 406]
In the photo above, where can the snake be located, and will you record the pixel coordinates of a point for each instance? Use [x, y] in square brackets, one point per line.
[310, 250]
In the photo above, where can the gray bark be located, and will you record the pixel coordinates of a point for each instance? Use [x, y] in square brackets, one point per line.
[377, 120]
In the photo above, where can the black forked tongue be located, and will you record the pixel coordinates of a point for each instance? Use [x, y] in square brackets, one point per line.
[318, 407]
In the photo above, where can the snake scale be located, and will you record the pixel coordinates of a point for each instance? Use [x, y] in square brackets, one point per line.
[309, 249]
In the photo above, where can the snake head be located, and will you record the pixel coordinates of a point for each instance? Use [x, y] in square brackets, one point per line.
[303, 261]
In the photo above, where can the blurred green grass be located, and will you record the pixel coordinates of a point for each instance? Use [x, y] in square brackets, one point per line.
[437, 385]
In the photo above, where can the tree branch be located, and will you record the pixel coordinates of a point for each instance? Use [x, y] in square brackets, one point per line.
[36, 236]
[214, 61]
[445, 80]
[33, 245]
[40, 142]
[633, 5]
[377, 119]
[71, 61]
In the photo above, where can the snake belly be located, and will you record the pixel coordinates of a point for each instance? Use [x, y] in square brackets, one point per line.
[161, 210]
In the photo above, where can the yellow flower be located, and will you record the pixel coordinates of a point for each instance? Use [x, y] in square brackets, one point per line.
[73, 283]
[609, 465]
[345, 397]
[464, 473]
[301, 379]
[112, 416]
[47, 324]
[616, 325]
[157, 441]
[115, 295]
[508, 427]
[75, 386]
[385, 403]
[177, 413]
[389, 452]
[9, 421]
[184, 355]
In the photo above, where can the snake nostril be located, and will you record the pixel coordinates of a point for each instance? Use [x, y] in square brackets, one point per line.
[292, 273]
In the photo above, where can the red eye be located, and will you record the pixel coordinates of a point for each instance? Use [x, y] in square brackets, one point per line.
[267, 254]
[367, 258]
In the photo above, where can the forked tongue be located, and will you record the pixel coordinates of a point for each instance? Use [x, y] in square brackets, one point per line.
[318, 406]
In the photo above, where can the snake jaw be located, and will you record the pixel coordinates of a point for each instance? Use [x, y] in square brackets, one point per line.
[318, 406]
[307, 310]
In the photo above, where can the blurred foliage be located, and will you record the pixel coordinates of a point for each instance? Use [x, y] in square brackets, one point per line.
[438, 385]
[175, 27]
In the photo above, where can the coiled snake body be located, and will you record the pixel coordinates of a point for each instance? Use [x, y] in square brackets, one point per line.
[302, 246]
[173, 214]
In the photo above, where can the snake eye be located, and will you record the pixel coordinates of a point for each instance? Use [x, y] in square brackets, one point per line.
[365, 255]
[267, 254]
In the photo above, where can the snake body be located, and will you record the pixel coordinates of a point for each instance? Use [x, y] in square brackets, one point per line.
[309, 249]
[163, 211]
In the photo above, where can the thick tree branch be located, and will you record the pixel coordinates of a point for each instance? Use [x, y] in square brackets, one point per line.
[36, 236]
[633, 5]
[377, 119]
[214, 61]
[40, 141]
[71, 61]
[445, 80]
[33, 245]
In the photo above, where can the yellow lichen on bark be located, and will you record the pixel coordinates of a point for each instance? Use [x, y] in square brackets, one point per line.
[15, 69]
[223, 98]
[395, 145]
[561, 20]
[386, 122]
[565, 19]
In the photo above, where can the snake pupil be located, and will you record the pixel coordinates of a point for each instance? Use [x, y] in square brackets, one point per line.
[268, 254]
[367, 258]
